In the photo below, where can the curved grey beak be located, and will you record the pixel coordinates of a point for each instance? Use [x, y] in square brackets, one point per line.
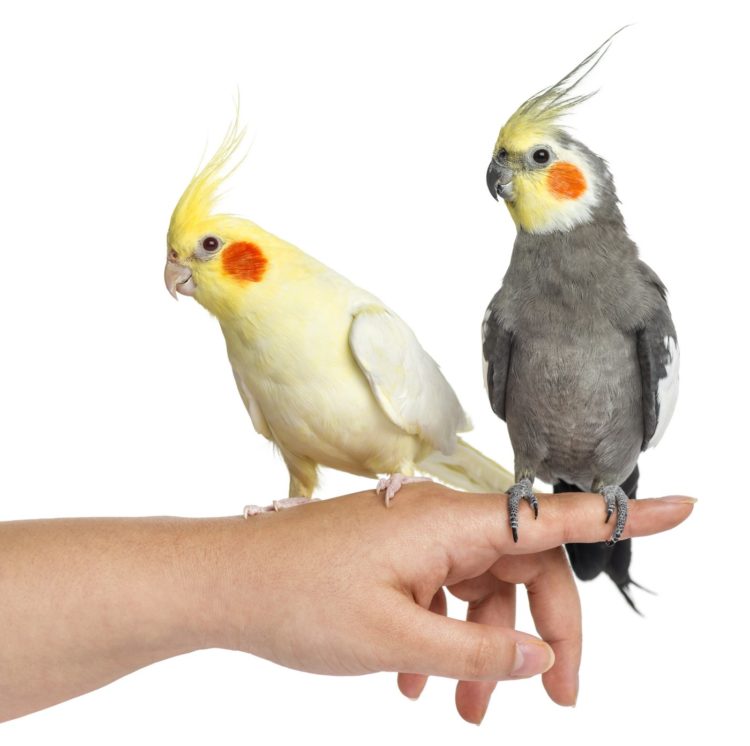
[178, 278]
[499, 180]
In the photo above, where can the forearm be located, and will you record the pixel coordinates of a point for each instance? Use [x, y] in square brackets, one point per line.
[85, 601]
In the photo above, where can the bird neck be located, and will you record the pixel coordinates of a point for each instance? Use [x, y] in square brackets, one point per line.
[573, 262]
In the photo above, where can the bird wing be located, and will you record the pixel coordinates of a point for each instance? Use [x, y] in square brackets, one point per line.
[253, 409]
[659, 358]
[497, 342]
[405, 380]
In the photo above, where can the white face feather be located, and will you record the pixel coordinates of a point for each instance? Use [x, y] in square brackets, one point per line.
[565, 214]
[666, 394]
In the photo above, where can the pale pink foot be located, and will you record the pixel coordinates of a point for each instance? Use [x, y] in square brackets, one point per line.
[394, 483]
[277, 505]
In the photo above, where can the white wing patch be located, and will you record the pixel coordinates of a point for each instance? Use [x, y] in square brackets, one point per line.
[406, 381]
[666, 395]
[256, 415]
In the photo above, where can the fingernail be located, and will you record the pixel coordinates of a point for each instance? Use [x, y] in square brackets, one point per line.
[680, 499]
[532, 658]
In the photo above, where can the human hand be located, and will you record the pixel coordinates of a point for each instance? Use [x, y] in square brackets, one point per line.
[341, 586]
[345, 587]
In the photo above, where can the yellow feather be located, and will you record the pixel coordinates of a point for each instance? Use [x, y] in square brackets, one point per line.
[539, 116]
[202, 193]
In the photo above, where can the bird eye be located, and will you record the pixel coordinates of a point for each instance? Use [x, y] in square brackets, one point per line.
[502, 153]
[210, 243]
[541, 155]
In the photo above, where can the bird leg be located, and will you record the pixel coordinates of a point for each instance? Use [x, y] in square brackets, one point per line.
[277, 505]
[522, 490]
[393, 483]
[617, 501]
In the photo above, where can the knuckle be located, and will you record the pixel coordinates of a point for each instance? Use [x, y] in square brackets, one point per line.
[481, 658]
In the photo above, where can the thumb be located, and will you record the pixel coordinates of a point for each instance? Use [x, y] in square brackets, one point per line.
[435, 645]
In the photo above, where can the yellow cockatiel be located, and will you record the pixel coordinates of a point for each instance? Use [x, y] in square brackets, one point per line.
[326, 371]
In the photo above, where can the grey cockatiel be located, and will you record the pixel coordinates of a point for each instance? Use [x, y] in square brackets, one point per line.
[580, 349]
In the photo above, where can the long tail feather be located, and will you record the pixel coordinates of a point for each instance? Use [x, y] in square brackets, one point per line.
[467, 469]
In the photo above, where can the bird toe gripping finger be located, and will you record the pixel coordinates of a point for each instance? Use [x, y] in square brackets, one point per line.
[617, 502]
[392, 484]
[277, 505]
[522, 490]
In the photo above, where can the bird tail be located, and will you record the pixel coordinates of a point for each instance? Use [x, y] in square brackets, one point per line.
[588, 560]
[467, 469]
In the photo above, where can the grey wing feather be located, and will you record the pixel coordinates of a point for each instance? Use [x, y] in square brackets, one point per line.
[496, 350]
[659, 358]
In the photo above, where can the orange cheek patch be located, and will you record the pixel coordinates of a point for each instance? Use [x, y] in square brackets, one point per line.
[565, 180]
[244, 261]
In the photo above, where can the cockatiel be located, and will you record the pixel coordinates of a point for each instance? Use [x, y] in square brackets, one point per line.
[326, 371]
[581, 354]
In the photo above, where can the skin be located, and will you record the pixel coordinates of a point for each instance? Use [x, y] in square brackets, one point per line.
[86, 601]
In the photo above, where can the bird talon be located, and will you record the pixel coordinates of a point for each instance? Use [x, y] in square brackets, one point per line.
[617, 502]
[520, 491]
[393, 484]
[276, 506]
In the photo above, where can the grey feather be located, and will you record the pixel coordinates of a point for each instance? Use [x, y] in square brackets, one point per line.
[496, 349]
[575, 305]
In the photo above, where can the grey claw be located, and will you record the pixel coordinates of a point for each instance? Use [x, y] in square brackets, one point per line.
[520, 491]
[617, 501]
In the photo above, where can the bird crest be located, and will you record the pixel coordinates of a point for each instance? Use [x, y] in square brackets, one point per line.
[203, 192]
[541, 113]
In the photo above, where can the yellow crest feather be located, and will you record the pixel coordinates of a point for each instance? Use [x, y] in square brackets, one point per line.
[202, 193]
[542, 112]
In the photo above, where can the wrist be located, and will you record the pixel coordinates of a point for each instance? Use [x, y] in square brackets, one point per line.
[218, 568]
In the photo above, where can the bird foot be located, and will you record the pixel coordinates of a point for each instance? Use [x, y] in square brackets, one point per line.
[617, 501]
[277, 505]
[522, 490]
[394, 483]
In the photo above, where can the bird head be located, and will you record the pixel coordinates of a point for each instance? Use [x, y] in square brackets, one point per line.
[211, 256]
[548, 180]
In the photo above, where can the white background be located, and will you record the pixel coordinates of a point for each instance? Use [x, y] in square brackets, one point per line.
[374, 124]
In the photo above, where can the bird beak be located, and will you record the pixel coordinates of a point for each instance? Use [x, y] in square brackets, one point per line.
[499, 180]
[178, 278]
